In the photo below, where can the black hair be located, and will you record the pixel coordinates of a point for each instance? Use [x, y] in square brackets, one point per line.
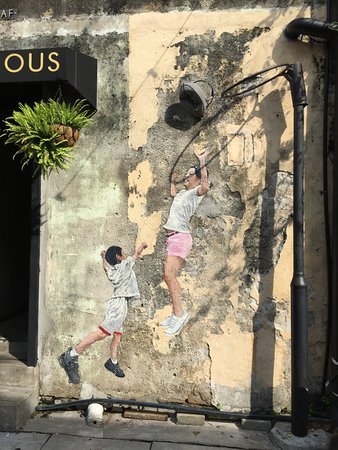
[198, 172]
[111, 253]
[199, 175]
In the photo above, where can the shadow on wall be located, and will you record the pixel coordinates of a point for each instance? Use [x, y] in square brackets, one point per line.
[268, 228]
[177, 117]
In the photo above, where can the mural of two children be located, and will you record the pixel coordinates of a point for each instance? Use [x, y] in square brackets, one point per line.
[119, 270]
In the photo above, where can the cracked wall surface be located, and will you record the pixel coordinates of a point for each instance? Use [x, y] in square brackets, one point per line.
[234, 353]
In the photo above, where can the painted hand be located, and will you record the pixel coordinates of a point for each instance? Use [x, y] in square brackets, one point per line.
[173, 177]
[202, 156]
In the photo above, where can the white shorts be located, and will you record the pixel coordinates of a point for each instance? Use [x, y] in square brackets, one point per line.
[116, 314]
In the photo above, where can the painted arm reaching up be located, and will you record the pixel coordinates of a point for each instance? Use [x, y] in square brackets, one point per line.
[204, 186]
[139, 250]
[105, 264]
[173, 190]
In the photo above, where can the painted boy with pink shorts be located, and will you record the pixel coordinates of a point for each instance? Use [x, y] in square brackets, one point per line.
[179, 239]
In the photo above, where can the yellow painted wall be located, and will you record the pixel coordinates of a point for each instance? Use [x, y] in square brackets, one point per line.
[234, 353]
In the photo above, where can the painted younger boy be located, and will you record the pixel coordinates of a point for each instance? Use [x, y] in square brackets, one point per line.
[119, 270]
[179, 239]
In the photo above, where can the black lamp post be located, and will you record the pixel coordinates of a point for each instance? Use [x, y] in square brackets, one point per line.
[196, 101]
[299, 332]
[328, 31]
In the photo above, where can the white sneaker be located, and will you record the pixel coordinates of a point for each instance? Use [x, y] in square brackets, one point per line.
[166, 322]
[176, 324]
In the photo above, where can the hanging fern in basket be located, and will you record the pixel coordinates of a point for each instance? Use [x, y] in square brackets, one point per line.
[47, 132]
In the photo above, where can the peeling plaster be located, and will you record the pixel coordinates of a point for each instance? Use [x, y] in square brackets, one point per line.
[159, 340]
[152, 61]
[283, 272]
[140, 181]
[95, 26]
[235, 346]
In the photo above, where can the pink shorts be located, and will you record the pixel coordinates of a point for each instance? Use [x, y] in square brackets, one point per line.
[179, 244]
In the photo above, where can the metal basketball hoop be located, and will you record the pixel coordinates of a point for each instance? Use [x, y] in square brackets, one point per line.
[196, 96]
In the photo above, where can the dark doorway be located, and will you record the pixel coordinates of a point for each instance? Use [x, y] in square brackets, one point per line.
[19, 232]
[20, 225]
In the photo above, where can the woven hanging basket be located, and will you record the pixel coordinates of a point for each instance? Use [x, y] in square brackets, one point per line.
[66, 133]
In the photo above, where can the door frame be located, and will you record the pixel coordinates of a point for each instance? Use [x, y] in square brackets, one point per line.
[34, 268]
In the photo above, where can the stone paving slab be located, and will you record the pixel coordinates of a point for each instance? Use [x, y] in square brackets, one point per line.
[65, 422]
[167, 446]
[211, 433]
[66, 442]
[22, 441]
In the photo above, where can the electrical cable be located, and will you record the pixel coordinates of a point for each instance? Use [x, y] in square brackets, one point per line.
[251, 78]
[243, 81]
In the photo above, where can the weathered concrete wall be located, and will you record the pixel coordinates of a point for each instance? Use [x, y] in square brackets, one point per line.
[235, 351]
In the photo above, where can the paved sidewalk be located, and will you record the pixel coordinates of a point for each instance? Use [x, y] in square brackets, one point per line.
[68, 430]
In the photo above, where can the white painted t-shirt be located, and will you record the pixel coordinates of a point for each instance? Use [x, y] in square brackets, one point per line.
[123, 279]
[183, 207]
